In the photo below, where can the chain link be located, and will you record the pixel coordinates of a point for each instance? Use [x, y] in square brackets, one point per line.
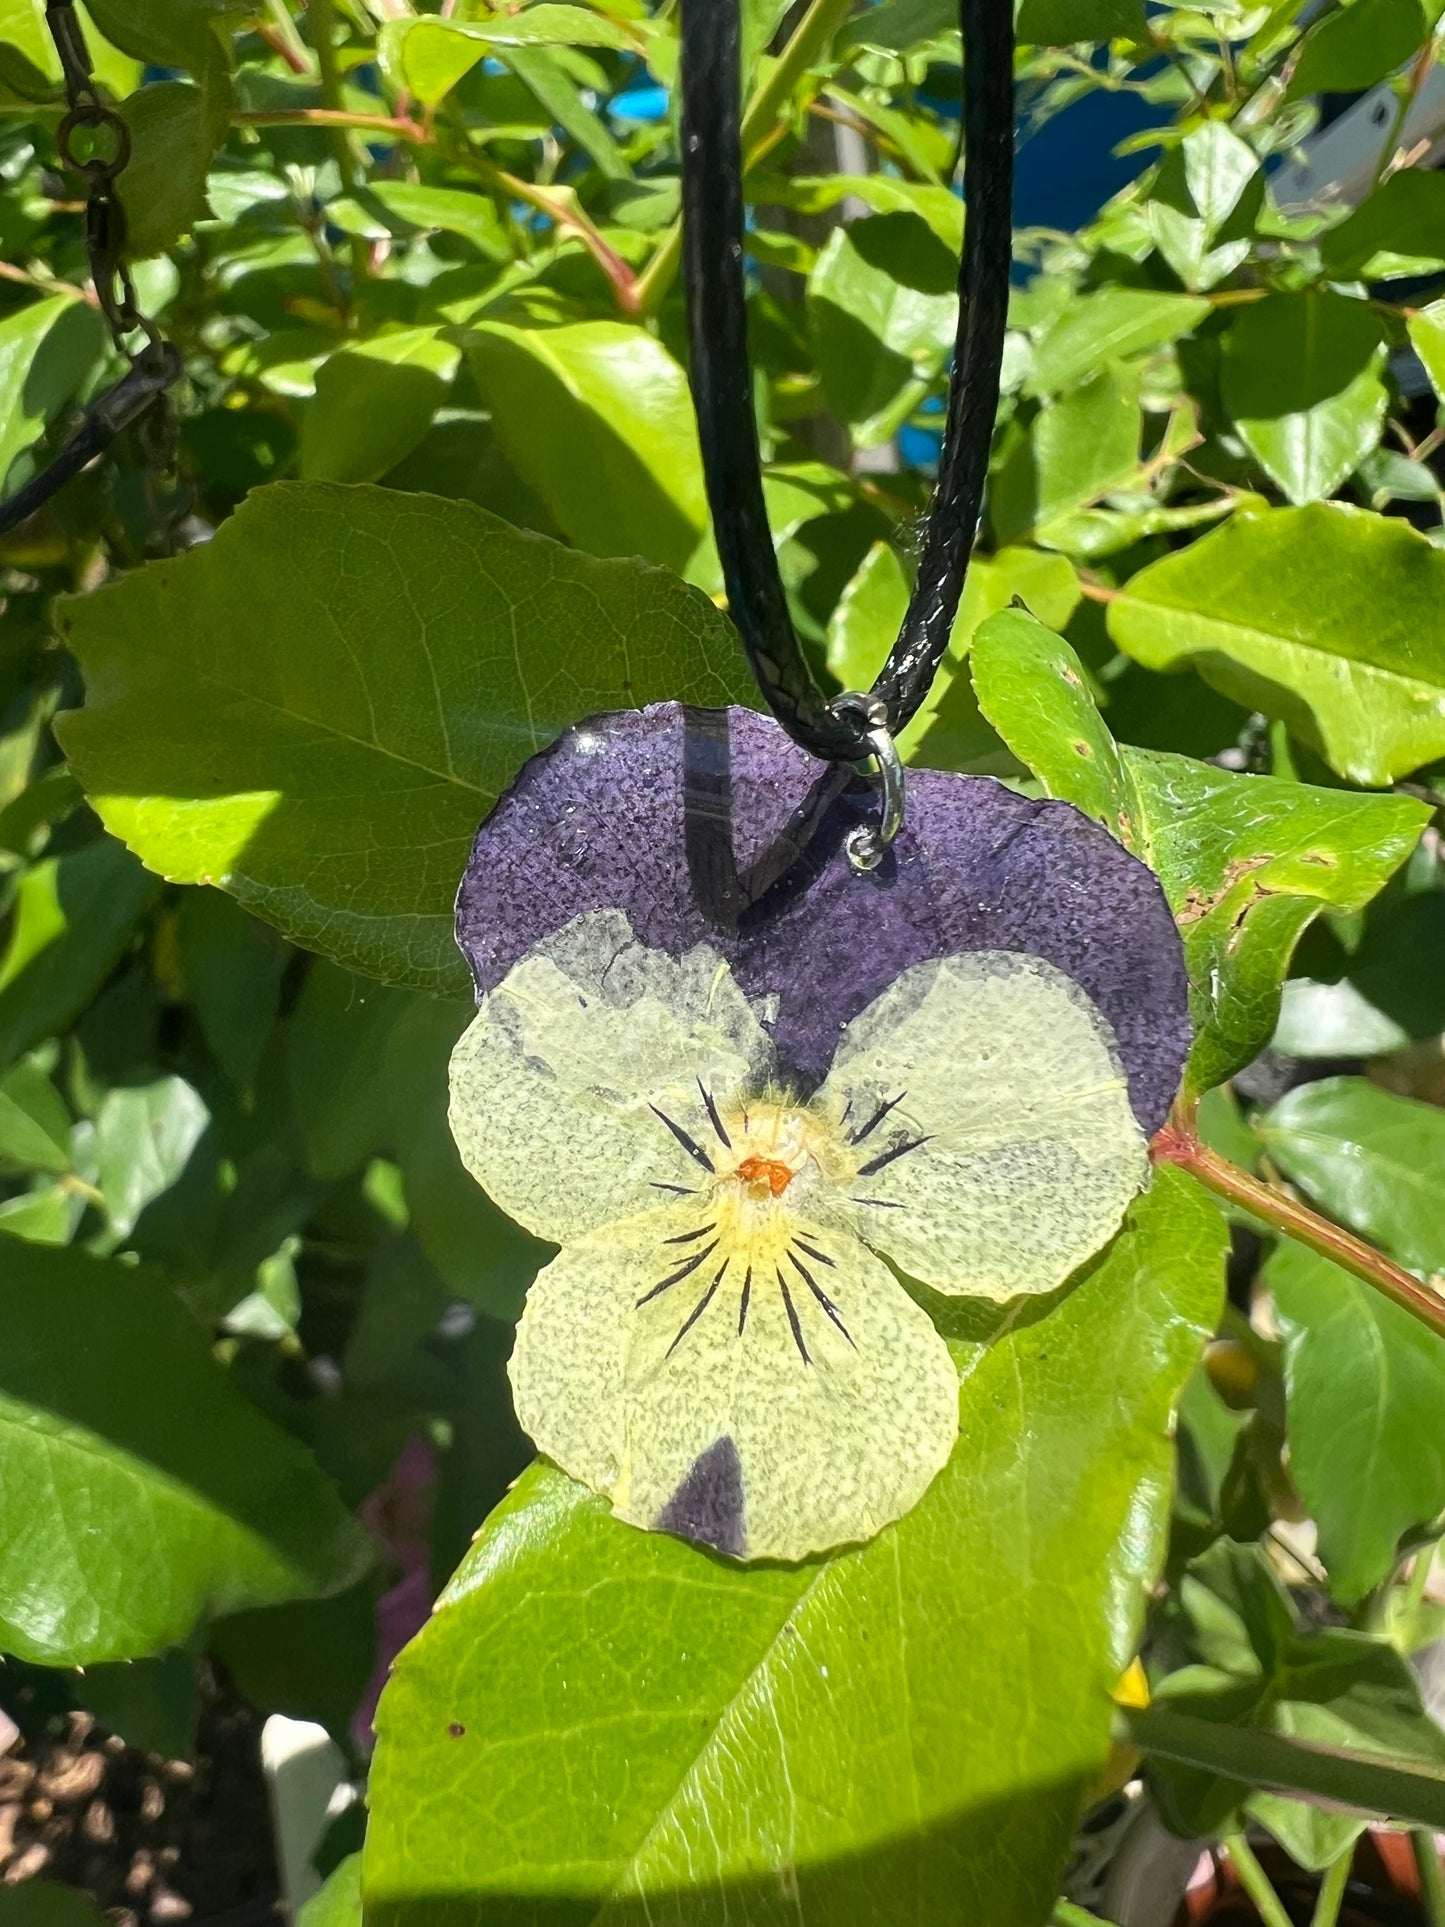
[99, 160]
[94, 142]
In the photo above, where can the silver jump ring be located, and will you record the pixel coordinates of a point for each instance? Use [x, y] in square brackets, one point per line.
[866, 844]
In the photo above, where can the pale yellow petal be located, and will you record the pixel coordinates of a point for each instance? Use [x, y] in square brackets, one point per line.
[587, 1075]
[740, 1405]
[990, 1114]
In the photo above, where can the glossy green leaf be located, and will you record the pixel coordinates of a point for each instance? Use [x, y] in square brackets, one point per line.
[34, 1122]
[1247, 862]
[1365, 1419]
[597, 417]
[322, 742]
[404, 208]
[1301, 378]
[882, 308]
[1060, 23]
[1353, 48]
[1204, 205]
[46, 352]
[1110, 324]
[1374, 1161]
[131, 1438]
[1400, 229]
[430, 56]
[938, 206]
[542, 71]
[374, 401]
[901, 1731]
[1283, 612]
[144, 1137]
[28, 60]
[73, 916]
[948, 732]
[47, 1215]
[1427, 336]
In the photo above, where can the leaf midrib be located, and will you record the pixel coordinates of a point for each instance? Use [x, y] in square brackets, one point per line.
[1271, 639]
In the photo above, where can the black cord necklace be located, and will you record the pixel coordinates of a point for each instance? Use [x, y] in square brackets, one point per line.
[712, 197]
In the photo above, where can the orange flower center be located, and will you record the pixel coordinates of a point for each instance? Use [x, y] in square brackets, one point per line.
[776, 1176]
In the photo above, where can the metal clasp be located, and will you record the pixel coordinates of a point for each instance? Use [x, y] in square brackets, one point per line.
[866, 843]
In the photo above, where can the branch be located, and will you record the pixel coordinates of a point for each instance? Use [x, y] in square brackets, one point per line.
[760, 126]
[1177, 1144]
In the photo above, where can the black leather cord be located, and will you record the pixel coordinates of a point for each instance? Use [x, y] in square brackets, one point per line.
[712, 202]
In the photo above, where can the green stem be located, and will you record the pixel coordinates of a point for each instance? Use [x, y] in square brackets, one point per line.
[760, 120]
[1432, 1875]
[1066, 1914]
[1332, 1890]
[1255, 1881]
[323, 38]
[1177, 1144]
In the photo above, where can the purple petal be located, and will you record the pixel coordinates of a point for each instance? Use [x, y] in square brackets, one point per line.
[713, 826]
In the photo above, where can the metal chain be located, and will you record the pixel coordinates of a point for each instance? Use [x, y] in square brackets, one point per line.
[140, 396]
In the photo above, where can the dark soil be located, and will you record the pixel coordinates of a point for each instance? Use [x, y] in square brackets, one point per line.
[151, 1840]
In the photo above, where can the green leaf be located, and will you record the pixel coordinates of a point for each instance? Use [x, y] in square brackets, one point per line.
[598, 418]
[374, 401]
[1247, 862]
[174, 128]
[883, 310]
[948, 732]
[150, 1703]
[168, 33]
[1371, 1159]
[1364, 1417]
[883, 193]
[46, 353]
[1427, 336]
[132, 1439]
[1110, 324]
[430, 56]
[1282, 611]
[1206, 199]
[1301, 378]
[322, 742]
[1061, 23]
[1258, 1673]
[144, 1137]
[30, 65]
[1077, 450]
[1360, 1783]
[905, 1727]
[339, 1902]
[73, 916]
[1400, 229]
[541, 71]
[367, 1068]
[45, 1903]
[1351, 50]
[34, 1122]
[232, 967]
[404, 208]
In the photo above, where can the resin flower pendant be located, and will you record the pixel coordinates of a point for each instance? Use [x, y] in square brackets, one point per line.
[731, 1077]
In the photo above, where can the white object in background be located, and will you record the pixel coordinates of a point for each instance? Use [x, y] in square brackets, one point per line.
[1338, 166]
[307, 1786]
[9, 1732]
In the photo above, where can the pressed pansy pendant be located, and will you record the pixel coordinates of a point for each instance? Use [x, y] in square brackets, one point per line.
[731, 1078]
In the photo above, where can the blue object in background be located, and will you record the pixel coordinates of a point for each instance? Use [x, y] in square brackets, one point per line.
[640, 104]
[1066, 168]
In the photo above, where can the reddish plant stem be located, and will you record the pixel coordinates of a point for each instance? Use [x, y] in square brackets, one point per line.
[1177, 1144]
[569, 219]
